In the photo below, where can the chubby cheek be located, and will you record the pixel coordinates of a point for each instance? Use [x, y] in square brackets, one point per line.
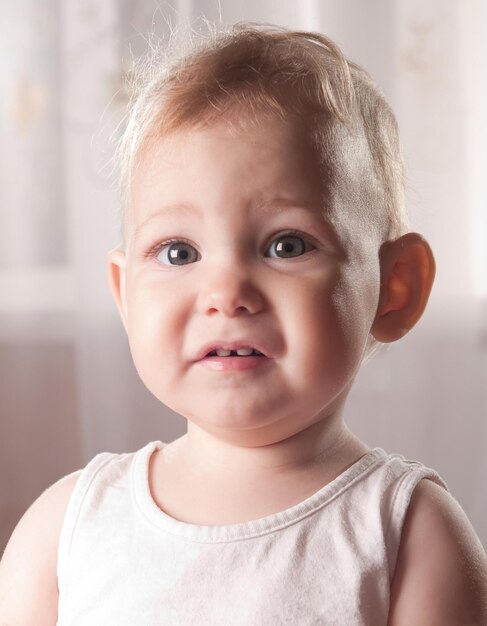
[154, 336]
[332, 330]
[354, 302]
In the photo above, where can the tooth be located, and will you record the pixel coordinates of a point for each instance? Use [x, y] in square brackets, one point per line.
[244, 351]
[223, 352]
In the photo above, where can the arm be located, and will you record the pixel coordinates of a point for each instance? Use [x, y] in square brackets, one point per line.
[28, 577]
[441, 572]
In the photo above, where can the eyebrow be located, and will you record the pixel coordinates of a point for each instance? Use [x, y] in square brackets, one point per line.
[265, 205]
[273, 205]
[167, 210]
[276, 204]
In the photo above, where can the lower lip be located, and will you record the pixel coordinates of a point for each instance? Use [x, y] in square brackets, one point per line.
[234, 363]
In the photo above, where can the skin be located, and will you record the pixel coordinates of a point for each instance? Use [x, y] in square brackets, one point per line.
[252, 424]
[277, 432]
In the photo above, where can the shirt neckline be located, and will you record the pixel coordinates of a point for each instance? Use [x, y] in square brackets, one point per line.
[146, 505]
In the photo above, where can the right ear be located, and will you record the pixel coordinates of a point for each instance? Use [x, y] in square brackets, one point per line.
[116, 280]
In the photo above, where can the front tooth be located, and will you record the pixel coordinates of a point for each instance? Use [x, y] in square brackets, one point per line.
[244, 351]
[223, 352]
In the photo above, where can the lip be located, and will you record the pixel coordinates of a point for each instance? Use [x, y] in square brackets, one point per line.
[233, 345]
[234, 363]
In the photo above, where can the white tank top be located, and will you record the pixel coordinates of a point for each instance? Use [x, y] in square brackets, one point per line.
[328, 560]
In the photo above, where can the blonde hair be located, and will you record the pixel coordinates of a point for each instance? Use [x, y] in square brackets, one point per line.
[255, 69]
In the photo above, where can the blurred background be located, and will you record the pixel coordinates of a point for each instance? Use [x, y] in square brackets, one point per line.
[68, 388]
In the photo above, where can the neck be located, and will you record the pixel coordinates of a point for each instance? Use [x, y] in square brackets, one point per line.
[324, 444]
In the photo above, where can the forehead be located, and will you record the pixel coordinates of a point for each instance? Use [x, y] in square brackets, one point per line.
[226, 163]
[226, 166]
[219, 150]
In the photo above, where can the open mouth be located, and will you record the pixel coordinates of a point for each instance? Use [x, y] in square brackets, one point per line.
[240, 359]
[241, 352]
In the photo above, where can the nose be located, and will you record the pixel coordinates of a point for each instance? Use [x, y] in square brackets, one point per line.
[230, 293]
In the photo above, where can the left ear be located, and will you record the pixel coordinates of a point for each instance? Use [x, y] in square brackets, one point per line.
[407, 268]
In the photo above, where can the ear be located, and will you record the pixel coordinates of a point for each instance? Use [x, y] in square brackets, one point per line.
[116, 279]
[407, 273]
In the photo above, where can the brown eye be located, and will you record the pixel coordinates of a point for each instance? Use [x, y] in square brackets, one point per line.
[288, 246]
[177, 253]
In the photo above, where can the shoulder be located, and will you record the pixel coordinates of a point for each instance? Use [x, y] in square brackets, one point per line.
[441, 571]
[28, 569]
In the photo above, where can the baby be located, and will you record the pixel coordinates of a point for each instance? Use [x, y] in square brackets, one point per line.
[266, 254]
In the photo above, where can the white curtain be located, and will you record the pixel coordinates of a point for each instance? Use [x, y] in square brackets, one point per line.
[68, 388]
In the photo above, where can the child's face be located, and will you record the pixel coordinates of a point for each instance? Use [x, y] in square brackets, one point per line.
[307, 299]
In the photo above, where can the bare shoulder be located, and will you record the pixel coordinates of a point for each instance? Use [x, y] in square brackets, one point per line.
[28, 577]
[441, 572]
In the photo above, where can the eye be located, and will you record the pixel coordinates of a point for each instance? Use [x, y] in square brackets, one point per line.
[177, 253]
[289, 245]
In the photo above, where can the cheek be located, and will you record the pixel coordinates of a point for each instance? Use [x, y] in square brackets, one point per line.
[355, 301]
[151, 309]
[154, 333]
[333, 321]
